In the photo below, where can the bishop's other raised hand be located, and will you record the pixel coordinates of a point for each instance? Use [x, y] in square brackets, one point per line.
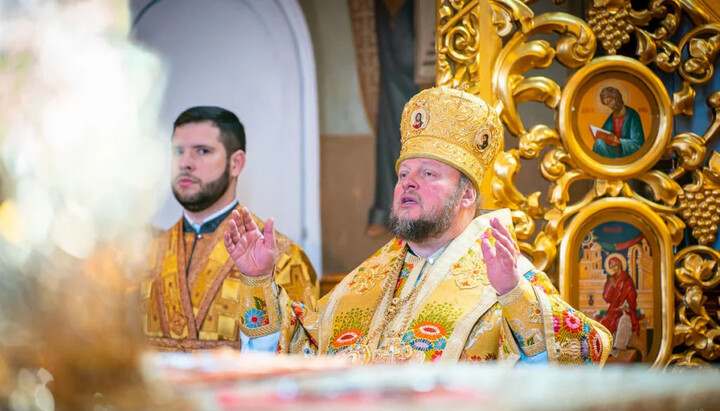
[501, 260]
[252, 251]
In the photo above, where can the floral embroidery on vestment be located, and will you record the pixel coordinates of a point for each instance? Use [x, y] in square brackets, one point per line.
[373, 271]
[470, 270]
[257, 316]
[430, 330]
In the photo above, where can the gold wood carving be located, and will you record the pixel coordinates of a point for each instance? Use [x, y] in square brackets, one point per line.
[464, 27]
[701, 200]
[697, 271]
[585, 183]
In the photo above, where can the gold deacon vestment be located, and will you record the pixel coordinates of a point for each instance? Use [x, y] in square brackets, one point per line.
[375, 315]
[199, 306]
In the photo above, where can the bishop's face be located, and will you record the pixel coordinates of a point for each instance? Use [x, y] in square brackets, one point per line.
[426, 199]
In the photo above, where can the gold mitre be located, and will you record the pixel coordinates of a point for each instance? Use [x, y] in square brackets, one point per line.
[451, 126]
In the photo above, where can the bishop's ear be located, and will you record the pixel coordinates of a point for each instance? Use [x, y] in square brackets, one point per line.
[470, 196]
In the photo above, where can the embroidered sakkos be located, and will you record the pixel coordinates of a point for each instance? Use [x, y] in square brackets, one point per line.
[378, 315]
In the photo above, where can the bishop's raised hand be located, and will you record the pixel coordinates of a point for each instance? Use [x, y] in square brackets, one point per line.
[252, 250]
[501, 260]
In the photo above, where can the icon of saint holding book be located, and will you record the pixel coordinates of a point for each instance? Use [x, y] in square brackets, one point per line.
[622, 133]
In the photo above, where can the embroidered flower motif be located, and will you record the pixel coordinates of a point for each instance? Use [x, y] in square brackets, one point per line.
[374, 269]
[585, 348]
[402, 278]
[436, 355]
[254, 318]
[470, 271]
[346, 338]
[421, 344]
[503, 348]
[395, 246]
[571, 350]
[556, 325]
[534, 313]
[298, 309]
[408, 337]
[366, 278]
[491, 356]
[440, 344]
[595, 346]
[571, 322]
[519, 338]
[430, 331]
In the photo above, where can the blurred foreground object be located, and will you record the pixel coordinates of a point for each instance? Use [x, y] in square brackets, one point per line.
[79, 177]
[228, 380]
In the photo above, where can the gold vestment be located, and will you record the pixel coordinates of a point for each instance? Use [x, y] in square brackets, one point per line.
[378, 315]
[199, 307]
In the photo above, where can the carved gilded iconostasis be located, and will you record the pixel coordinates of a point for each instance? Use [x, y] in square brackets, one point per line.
[630, 216]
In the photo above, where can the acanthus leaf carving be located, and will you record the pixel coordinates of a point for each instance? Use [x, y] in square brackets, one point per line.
[675, 225]
[504, 191]
[714, 102]
[508, 12]
[537, 89]
[544, 251]
[697, 271]
[535, 140]
[703, 44]
[608, 187]
[646, 48]
[553, 163]
[690, 149]
[535, 54]
[664, 188]
[559, 194]
[524, 224]
[575, 47]
[668, 58]
[683, 100]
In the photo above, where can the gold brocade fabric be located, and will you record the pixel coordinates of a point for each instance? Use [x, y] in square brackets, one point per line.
[202, 309]
[377, 314]
[451, 126]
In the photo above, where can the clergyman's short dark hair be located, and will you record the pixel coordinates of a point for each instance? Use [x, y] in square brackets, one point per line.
[232, 132]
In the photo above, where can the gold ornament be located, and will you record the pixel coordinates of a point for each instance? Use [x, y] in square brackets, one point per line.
[611, 26]
[700, 202]
[454, 127]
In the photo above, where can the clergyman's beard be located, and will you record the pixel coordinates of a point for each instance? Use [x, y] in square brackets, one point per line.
[427, 225]
[209, 193]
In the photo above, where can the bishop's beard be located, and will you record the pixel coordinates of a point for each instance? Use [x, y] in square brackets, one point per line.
[430, 224]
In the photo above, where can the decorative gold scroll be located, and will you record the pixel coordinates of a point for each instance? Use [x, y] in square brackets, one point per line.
[573, 162]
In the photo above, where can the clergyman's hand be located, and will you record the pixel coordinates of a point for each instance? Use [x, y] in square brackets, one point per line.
[252, 251]
[501, 260]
